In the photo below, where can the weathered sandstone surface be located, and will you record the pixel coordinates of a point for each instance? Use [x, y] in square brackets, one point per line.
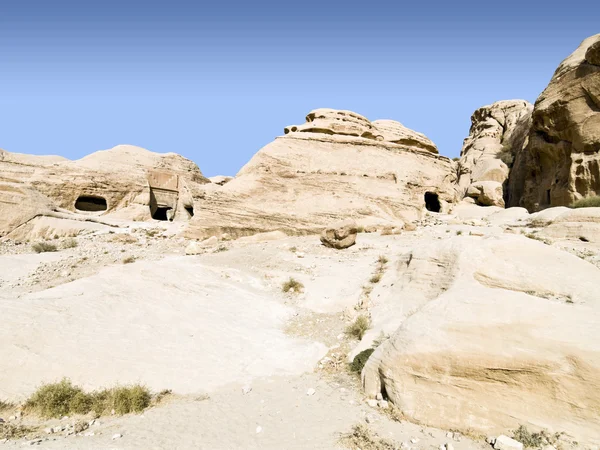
[498, 132]
[125, 182]
[561, 162]
[337, 166]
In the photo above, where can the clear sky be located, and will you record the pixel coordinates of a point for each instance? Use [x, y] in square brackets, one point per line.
[216, 81]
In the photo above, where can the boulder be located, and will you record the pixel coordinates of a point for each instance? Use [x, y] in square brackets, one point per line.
[503, 442]
[561, 162]
[489, 334]
[581, 224]
[486, 193]
[340, 235]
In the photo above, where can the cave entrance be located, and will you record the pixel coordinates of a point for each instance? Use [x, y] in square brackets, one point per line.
[432, 202]
[160, 213]
[91, 203]
[190, 210]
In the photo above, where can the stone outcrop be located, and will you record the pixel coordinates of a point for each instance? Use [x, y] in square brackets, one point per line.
[561, 162]
[497, 133]
[332, 169]
[490, 334]
[125, 182]
[397, 133]
[340, 235]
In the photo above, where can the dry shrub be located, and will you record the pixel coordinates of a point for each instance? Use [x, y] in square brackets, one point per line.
[128, 260]
[360, 360]
[123, 238]
[362, 438]
[64, 398]
[359, 327]
[14, 431]
[292, 284]
[69, 243]
[588, 202]
[43, 247]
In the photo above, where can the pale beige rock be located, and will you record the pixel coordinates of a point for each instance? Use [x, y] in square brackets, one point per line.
[304, 181]
[508, 216]
[333, 121]
[576, 224]
[561, 162]
[393, 131]
[220, 179]
[340, 235]
[124, 183]
[497, 133]
[486, 193]
[490, 333]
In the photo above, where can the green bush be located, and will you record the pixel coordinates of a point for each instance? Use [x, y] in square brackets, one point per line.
[359, 327]
[588, 202]
[43, 247]
[360, 360]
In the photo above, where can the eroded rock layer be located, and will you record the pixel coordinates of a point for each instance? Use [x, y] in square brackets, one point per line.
[561, 162]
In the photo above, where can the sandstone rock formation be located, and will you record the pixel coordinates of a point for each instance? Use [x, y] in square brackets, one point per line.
[498, 132]
[337, 166]
[491, 333]
[125, 182]
[340, 235]
[561, 162]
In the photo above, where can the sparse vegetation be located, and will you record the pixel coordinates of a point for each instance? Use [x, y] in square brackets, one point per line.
[538, 238]
[362, 438]
[382, 260]
[359, 327]
[293, 249]
[376, 278]
[43, 247]
[292, 284]
[69, 243]
[220, 248]
[128, 260]
[394, 413]
[588, 202]
[124, 238]
[456, 159]
[14, 431]
[459, 232]
[6, 405]
[360, 229]
[64, 398]
[360, 360]
[529, 439]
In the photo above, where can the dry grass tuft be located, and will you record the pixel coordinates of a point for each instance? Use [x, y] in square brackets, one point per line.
[69, 243]
[123, 238]
[359, 327]
[43, 247]
[376, 278]
[588, 202]
[128, 260]
[292, 284]
[362, 438]
[14, 431]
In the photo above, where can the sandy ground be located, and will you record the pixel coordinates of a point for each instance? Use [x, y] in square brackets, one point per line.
[204, 326]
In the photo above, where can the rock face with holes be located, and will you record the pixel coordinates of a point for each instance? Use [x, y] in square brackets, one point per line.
[337, 166]
[498, 132]
[490, 334]
[125, 182]
[561, 162]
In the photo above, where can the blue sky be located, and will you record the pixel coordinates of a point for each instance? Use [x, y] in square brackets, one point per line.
[217, 81]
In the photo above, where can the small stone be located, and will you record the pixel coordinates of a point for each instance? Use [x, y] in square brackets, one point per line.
[379, 396]
[34, 442]
[300, 254]
[414, 440]
[246, 389]
[258, 429]
[442, 447]
[383, 404]
[505, 443]
[449, 446]
[404, 446]
[117, 436]
[89, 433]
[369, 418]
[48, 430]
[310, 392]
[11, 418]
[449, 434]
[372, 403]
